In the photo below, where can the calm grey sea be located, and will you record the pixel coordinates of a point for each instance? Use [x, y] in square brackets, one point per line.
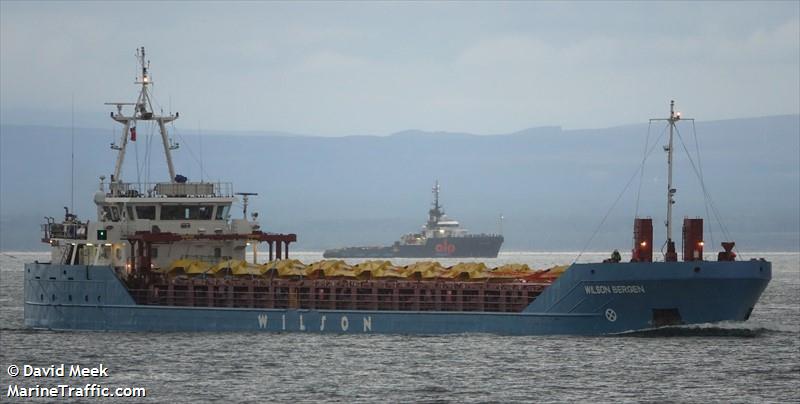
[756, 361]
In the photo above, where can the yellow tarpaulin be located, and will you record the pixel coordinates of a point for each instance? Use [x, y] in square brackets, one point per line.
[189, 267]
[548, 274]
[377, 269]
[373, 269]
[424, 269]
[288, 267]
[511, 271]
[246, 268]
[469, 270]
[331, 268]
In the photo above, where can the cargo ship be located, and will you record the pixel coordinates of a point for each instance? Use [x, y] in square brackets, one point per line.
[441, 236]
[168, 256]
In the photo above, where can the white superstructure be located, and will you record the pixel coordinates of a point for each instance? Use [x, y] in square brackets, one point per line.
[151, 225]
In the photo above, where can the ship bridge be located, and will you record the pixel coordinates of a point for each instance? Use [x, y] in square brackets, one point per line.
[142, 226]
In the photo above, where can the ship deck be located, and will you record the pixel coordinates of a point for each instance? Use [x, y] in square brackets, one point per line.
[342, 294]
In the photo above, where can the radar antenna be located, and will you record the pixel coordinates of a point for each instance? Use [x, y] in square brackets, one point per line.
[245, 196]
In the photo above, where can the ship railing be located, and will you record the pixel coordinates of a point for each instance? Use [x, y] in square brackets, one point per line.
[168, 189]
[477, 235]
[66, 230]
[327, 295]
[207, 259]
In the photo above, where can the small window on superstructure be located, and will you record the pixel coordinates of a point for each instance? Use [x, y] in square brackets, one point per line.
[105, 252]
[172, 212]
[202, 212]
[154, 253]
[146, 212]
[111, 213]
[115, 214]
[130, 212]
[186, 212]
[222, 212]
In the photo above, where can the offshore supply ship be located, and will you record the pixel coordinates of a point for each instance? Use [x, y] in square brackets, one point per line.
[168, 256]
[441, 236]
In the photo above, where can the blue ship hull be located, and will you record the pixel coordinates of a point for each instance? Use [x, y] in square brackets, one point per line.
[588, 299]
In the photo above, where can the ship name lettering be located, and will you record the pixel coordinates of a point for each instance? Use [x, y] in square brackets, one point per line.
[302, 326]
[322, 323]
[283, 317]
[597, 289]
[345, 323]
[367, 323]
[627, 289]
[615, 289]
[262, 320]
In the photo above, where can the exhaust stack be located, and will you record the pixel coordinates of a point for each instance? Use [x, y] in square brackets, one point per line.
[642, 240]
[692, 239]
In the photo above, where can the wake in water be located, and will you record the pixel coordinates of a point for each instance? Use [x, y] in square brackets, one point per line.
[709, 330]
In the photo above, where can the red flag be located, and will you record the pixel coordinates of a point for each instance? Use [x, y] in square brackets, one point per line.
[133, 134]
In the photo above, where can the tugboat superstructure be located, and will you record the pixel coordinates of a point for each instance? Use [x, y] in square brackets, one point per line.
[441, 236]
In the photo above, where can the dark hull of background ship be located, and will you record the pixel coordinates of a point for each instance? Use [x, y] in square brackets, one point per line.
[482, 246]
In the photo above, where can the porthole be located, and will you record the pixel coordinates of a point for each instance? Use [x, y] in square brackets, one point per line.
[53, 297]
[696, 269]
[70, 298]
[86, 298]
[98, 298]
[65, 272]
[41, 298]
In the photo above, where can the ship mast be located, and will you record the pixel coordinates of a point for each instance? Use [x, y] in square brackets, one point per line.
[143, 111]
[436, 213]
[674, 117]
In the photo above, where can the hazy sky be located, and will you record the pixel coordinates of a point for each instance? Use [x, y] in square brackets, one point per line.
[377, 68]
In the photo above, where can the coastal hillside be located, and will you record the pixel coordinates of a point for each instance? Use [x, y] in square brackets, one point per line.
[552, 186]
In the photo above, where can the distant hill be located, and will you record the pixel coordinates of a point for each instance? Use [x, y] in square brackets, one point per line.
[553, 186]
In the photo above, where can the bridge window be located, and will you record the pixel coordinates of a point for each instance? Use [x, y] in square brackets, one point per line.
[111, 213]
[186, 212]
[146, 212]
[222, 212]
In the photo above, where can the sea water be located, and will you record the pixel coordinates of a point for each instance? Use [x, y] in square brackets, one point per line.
[754, 361]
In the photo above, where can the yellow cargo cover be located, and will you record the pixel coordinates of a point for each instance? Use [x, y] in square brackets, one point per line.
[424, 269]
[469, 270]
[330, 268]
[286, 267]
[377, 269]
